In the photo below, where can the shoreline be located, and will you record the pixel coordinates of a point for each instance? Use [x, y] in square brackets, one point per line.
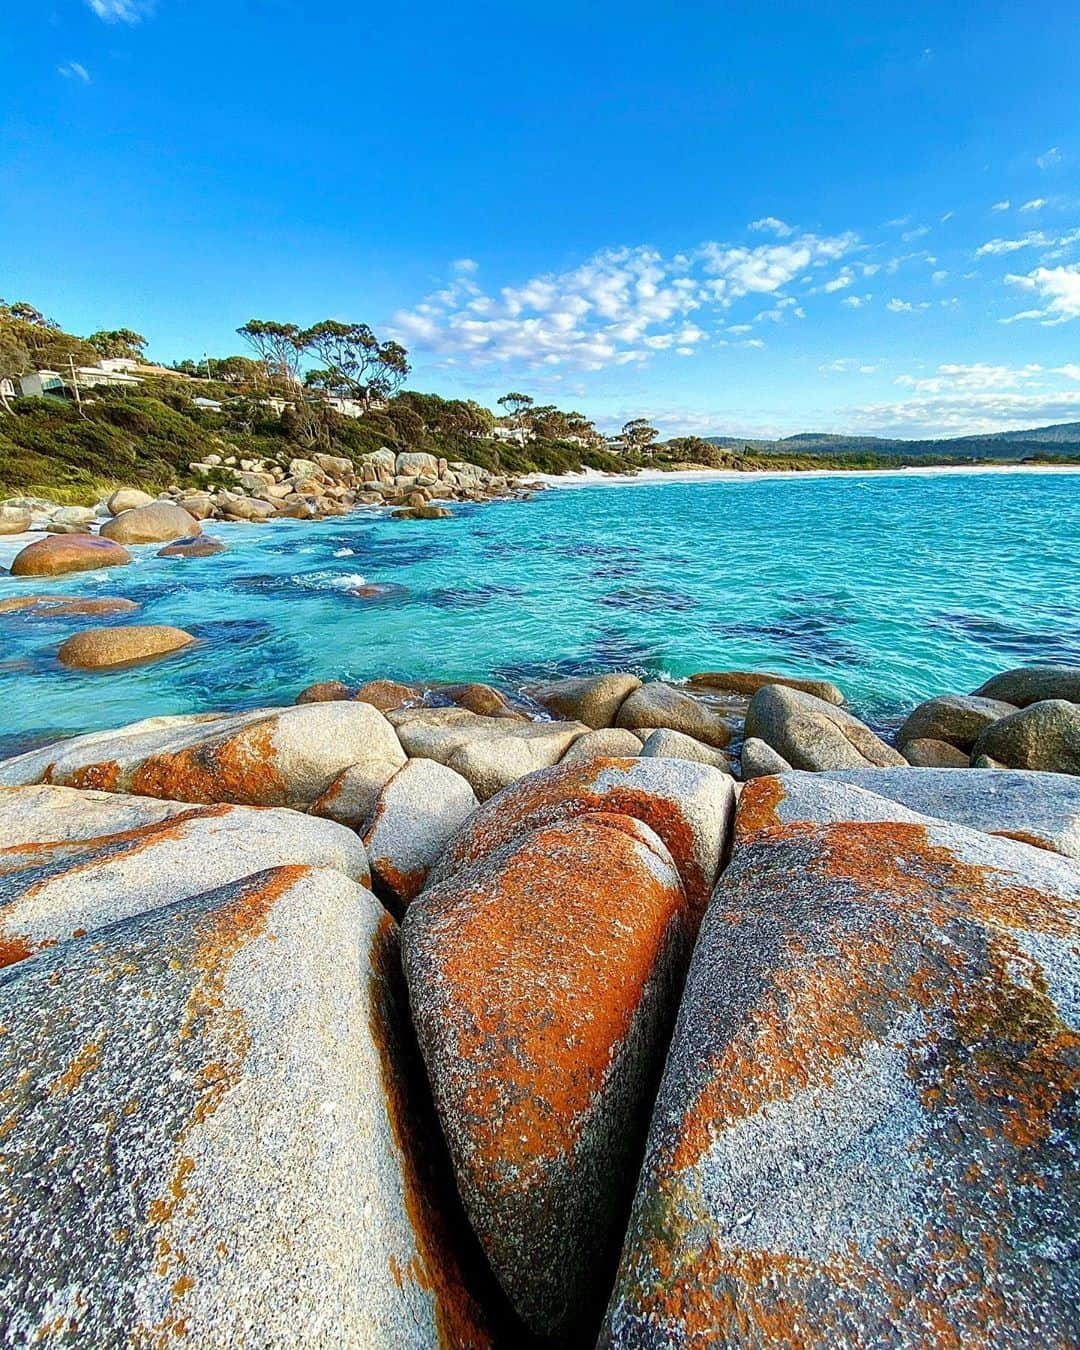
[596, 478]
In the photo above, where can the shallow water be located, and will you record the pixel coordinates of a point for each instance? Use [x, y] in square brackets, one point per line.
[896, 586]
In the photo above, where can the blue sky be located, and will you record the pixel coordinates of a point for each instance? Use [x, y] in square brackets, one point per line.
[755, 219]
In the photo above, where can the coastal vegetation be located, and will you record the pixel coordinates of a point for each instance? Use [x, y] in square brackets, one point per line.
[339, 388]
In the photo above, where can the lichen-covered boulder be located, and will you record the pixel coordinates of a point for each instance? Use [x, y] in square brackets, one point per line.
[592, 699]
[1035, 808]
[1044, 735]
[748, 682]
[689, 806]
[156, 523]
[58, 554]
[1033, 684]
[542, 982]
[269, 757]
[42, 814]
[757, 759]
[662, 705]
[416, 814]
[769, 803]
[56, 888]
[112, 648]
[958, 719]
[210, 1136]
[867, 1122]
[812, 734]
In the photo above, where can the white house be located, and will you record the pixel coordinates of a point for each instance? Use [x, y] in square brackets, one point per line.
[88, 377]
[41, 382]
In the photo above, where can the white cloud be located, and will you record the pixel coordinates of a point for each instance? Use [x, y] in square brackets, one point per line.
[947, 216]
[1048, 158]
[840, 282]
[1001, 206]
[1036, 204]
[857, 301]
[917, 233]
[900, 306]
[1071, 371]
[996, 247]
[465, 266]
[848, 365]
[72, 70]
[1058, 289]
[778, 227]
[938, 277]
[619, 307]
[122, 11]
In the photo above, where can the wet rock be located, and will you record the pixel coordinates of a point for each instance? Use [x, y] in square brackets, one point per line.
[592, 699]
[56, 889]
[388, 695]
[664, 744]
[1033, 684]
[758, 759]
[812, 734]
[659, 705]
[66, 606]
[867, 1101]
[202, 546]
[127, 499]
[327, 691]
[415, 816]
[479, 698]
[748, 682]
[689, 806]
[278, 1184]
[492, 763]
[927, 753]
[955, 718]
[58, 554]
[1036, 808]
[542, 982]
[422, 513]
[606, 743]
[154, 524]
[1042, 735]
[269, 757]
[110, 648]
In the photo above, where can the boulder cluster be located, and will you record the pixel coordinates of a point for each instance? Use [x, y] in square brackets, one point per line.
[430, 1016]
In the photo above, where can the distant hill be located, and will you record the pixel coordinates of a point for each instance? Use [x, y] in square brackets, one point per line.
[1054, 442]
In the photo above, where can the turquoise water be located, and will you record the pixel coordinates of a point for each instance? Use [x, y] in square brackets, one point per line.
[895, 586]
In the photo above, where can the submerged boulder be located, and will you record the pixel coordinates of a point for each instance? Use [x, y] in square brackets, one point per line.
[269, 757]
[812, 734]
[542, 983]
[277, 1192]
[748, 682]
[592, 699]
[201, 546]
[957, 719]
[415, 816]
[868, 1101]
[1043, 735]
[66, 606]
[58, 554]
[688, 805]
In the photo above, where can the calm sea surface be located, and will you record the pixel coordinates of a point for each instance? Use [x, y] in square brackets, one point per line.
[895, 586]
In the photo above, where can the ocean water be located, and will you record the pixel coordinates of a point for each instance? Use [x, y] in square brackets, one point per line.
[897, 587]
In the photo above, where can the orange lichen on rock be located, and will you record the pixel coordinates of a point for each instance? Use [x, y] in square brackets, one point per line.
[86, 1061]
[757, 806]
[240, 769]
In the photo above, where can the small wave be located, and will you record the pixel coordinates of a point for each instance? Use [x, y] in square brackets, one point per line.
[344, 553]
[329, 581]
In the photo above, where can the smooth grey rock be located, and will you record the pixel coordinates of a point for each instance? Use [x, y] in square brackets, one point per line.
[665, 744]
[958, 719]
[690, 806]
[869, 1088]
[416, 814]
[1034, 684]
[51, 890]
[1040, 808]
[542, 982]
[1041, 736]
[812, 734]
[269, 757]
[748, 682]
[41, 814]
[492, 763]
[606, 743]
[209, 1135]
[759, 759]
[926, 753]
[659, 705]
[592, 699]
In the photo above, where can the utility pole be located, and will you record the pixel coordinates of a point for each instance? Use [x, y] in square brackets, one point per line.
[75, 386]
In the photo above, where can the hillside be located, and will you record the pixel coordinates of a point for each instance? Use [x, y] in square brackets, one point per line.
[1061, 441]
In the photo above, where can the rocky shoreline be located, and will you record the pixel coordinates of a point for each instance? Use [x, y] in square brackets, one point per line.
[442, 1016]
